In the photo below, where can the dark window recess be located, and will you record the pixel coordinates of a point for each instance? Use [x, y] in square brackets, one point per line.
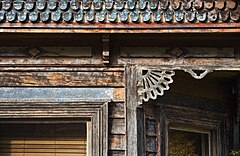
[43, 139]
[187, 143]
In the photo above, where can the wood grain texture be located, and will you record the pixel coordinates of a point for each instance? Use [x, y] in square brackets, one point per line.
[176, 52]
[131, 111]
[36, 52]
[117, 126]
[116, 153]
[117, 110]
[213, 63]
[62, 79]
[117, 142]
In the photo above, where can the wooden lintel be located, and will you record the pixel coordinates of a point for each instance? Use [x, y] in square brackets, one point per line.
[114, 79]
[190, 63]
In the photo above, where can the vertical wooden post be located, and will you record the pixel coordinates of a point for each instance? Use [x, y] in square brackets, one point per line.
[141, 131]
[236, 140]
[131, 110]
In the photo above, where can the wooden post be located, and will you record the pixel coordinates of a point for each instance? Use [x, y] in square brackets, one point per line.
[236, 137]
[131, 110]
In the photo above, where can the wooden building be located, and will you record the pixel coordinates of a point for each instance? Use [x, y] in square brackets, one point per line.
[119, 77]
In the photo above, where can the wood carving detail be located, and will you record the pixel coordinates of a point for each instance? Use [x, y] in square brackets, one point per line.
[195, 75]
[153, 83]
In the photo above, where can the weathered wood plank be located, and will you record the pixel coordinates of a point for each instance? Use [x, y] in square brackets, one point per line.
[117, 110]
[117, 126]
[51, 61]
[54, 68]
[213, 63]
[117, 142]
[37, 52]
[131, 111]
[141, 132]
[163, 52]
[116, 153]
[55, 94]
[62, 79]
[119, 94]
[135, 52]
[236, 116]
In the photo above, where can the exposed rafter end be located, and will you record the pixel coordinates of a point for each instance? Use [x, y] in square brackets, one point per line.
[105, 50]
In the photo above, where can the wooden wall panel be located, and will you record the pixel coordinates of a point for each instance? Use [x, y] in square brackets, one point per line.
[117, 129]
[151, 127]
[117, 142]
[116, 153]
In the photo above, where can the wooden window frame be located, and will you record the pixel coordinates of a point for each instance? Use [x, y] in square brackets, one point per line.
[94, 111]
[213, 122]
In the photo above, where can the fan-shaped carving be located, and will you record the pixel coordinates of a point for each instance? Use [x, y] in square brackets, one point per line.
[153, 83]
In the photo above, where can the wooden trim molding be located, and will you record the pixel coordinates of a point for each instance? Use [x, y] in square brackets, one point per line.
[61, 106]
[215, 124]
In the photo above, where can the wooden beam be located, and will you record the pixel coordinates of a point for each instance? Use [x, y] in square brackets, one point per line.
[131, 111]
[199, 63]
[109, 79]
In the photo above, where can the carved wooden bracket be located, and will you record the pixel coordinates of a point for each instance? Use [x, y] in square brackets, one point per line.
[154, 81]
[196, 75]
[105, 50]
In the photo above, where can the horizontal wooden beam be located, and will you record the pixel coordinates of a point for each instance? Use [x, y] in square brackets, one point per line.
[192, 63]
[62, 79]
[121, 28]
[134, 31]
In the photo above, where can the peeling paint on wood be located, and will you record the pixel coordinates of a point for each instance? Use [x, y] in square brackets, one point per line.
[47, 94]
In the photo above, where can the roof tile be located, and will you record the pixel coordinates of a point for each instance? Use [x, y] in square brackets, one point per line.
[115, 11]
[220, 4]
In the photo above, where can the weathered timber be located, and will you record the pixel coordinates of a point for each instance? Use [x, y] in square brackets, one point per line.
[160, 118]
[33, 111]
[116, 153]
[51, 61]
[62, 79]
[187, 63]
[63, 68]
[48, 110]
[131, 111]
[150, 131]
[176, 52]
[236, 115]
[215, 28]
[55, 94]
[117, 142]
[37, 52]
[141, 131]
[117, 126]
[117, 110]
